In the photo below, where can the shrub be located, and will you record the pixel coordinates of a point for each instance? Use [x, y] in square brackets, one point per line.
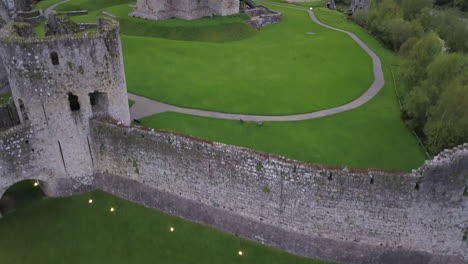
[360, 17]
[398, 31]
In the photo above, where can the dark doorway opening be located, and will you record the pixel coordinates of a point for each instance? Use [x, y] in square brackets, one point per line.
[74, 103]
[54, 58]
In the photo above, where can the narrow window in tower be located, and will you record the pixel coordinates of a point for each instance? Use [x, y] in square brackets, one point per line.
[54, 57]
[99, 102]
[23, 110]
[74, 103]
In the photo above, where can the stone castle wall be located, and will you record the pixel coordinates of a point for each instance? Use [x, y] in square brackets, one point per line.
[19, 5]
[262, 16]
[184, 9]
[58, 83]
[337, 214]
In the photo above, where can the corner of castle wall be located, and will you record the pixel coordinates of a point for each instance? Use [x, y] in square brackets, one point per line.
[446, 175]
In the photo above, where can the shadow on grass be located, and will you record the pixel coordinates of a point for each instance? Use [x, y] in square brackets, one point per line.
[19, 195]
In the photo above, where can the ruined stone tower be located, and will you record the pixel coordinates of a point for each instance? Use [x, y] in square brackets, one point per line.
[357, 5]
[58, 84]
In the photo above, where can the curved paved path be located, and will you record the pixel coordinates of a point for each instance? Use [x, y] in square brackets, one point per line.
[145, 107]
[51, 8]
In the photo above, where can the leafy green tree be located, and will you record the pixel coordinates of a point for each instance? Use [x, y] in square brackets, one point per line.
[381, 12]
[447, 124]
[360, 17]
[406, 48]
[398, 31]
[413, 67]
[449, 26]
[462, 4]
[440, 75]
[412, 8]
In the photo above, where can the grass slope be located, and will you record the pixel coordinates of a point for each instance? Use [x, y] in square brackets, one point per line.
[229, 67]
[161, 68]
[70, 230]
[372, 136]
[44, 4]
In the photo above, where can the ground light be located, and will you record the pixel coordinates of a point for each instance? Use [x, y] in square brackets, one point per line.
[240, 253]
[36, 184]
[311, 8]
[112, 209]
[171, 229]
[90, 201]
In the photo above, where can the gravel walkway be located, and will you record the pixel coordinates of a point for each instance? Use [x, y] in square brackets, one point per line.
[51, 8]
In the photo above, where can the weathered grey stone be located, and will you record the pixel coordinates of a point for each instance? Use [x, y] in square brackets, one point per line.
[60, 24]
[331, 4]
[109, 15]
[18, 5]
[337, 214]
[48, 76]
[184, 9]
[74, 13]
[262, 16]
[360, 5]
[32, 17]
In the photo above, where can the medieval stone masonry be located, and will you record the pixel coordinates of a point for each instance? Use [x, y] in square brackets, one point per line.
[74, 136]
[185, 9]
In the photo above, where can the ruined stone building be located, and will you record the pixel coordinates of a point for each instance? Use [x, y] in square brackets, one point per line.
[360, 5]
[15, 10]
[69, 128]
[184, 9]
[17, 5]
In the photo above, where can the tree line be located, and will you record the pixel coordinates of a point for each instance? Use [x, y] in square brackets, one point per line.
[431, 37]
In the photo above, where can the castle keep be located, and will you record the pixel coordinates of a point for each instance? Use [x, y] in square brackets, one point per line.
[185, 9]
[72, 132]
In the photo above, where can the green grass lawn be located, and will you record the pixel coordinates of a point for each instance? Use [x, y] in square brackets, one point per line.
[40, 30]
[70, 230]
[4, 98]
[44, 4]
[372, 136]
[282, 63]
[223, 64]
[321, 3]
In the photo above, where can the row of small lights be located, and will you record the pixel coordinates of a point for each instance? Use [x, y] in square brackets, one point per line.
[171, 229]
[112, 209]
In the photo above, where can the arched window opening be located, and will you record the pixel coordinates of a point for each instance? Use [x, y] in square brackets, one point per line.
[74, 103]
[54, 58]
[21, 194]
